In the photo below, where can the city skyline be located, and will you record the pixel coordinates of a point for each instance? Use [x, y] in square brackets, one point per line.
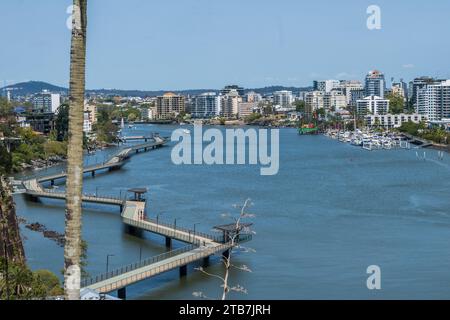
[138, 47]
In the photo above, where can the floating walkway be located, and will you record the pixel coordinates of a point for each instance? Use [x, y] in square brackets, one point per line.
[200, 246]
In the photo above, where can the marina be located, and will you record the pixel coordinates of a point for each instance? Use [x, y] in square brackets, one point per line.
[372, 140]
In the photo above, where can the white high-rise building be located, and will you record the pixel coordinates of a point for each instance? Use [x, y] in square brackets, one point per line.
[372, 105]
[314, 100]
[375, 84]
[46, 102]
[335, 100]
[434, 101]
[390, 121]
[87, 123]
[283, 98]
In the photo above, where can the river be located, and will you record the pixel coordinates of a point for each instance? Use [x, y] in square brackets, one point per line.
[331, 211]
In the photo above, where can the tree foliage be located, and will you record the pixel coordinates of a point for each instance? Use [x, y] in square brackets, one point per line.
[18, 282]
[62, 122]
[396, 103]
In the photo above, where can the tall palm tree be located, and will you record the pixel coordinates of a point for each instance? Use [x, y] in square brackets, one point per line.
[72, 249]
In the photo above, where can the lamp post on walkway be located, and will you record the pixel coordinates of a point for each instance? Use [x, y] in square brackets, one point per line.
[107, 262]
[194, 229]
[157, 217]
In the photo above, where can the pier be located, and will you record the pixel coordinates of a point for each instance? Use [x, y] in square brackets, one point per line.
[199, 246]
[134, 138]
[418, 141]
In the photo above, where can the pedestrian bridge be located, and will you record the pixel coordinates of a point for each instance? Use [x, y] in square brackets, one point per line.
[200, 246]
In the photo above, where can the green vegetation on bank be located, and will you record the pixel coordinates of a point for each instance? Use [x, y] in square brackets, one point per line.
[105, 129]
[437, 135]
[18, 282]
[29, 147]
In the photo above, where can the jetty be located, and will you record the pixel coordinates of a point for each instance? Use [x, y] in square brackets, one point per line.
[199, 246]
[423, 143]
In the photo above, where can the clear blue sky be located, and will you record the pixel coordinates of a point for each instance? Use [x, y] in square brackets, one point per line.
[181, 44]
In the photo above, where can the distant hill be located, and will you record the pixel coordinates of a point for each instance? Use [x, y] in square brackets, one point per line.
[140, 93]
[33, 87]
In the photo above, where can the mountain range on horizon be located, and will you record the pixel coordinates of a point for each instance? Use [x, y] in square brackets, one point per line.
[33, 87]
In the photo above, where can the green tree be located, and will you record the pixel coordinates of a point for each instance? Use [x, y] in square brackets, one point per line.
[132, 117]
[6, 161]
[252, 117]
[62, 122]
[18, 282]
[300, 106]
[50, 282]
[396, 103]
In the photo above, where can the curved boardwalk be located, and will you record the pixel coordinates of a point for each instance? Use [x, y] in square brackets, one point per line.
[200, 245]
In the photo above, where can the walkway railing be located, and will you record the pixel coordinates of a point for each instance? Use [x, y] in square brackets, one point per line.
[137, 265]
[196, 254]
[59, 194]
[149, 224]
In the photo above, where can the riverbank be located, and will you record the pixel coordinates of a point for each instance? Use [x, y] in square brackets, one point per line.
[269, 121]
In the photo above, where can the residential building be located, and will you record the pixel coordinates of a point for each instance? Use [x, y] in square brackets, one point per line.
[283, 98]
[314, 100]
[41, 122]
[375, 84]
[87, 123]
[334, 100]
[348, 86]
[229, 104]
[400, 89]
[389, 121]
[418, 84]
[355, 95]
[252, 97]
[46, 102]
[148, 113]
[230, 88]
[91, 110]
[433, 100]
[169, 106]
[326, 85]
[246, 108]
[205, 105]
[372, 105]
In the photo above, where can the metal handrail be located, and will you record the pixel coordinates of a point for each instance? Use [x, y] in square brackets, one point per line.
[190, 238]
[137, 265]
[86, 196]
[162, 268]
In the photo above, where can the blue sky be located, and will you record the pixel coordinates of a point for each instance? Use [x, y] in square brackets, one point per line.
[188, 44]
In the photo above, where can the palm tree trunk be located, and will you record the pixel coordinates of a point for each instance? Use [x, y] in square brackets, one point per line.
[72, 248]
